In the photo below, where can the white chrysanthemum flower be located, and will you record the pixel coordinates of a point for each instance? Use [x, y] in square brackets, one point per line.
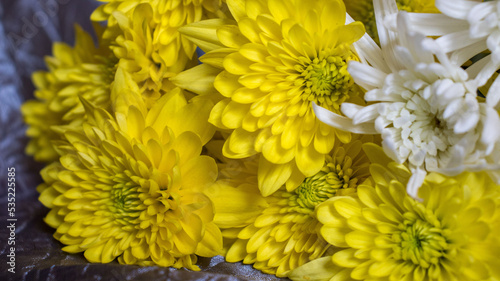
[467, 28]
[427, 112]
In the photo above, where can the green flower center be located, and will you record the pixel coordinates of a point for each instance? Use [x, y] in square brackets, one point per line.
[325, 80]
[421, 243]
[314, 190]
[323, 185]
[125, 203]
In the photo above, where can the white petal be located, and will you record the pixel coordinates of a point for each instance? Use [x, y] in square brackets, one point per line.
[480, 12]
[387, 38]
[412, 41]
[466, 123]
[454, 165]
[493, 97]
[495, 175]
[457, 40]
[458, 9]
[491, 130]
[341, 122]
[467, 120]
[381, 123]
[485, 73]
[380, 95]
[493, 43]
[417, 157]
[436, 24]
[366, 76]
[459, 57]
[366, 114]
[416, 180]
[391, 147]
[479, 66]
[350, 109]
[368, 50]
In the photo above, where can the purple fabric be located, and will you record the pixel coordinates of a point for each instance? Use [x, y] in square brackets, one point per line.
[27, 30]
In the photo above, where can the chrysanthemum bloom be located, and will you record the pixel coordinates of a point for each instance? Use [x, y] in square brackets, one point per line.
[160, 21]
[83, 70]
[130, 186]
[384, 234]
[467, 28]
[281, 232]
[269, 66]
[362, 10]
[427, 112]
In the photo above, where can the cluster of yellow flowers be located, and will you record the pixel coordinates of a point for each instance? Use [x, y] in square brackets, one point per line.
[155, 156]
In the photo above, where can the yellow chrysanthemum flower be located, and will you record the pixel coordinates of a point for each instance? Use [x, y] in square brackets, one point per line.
[133, 45]
[384, 234]
[131, 186]
[269, 66]
[161, 20]
[281, 232]
[83, 70]
[362, 10]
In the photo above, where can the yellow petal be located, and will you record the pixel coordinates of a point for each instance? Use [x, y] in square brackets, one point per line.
[346, 258]
[333, 14]
[274, 153]
[235, 206]
[308, 160]
[233, 114]
[199, 79]
[237, 8]
[335, 235]
[204, 33]
[211, 244]
[94, 254]
[239, 144]
[321, 269]
[272, 176]
[237, 251]
[350, 33]
[199, 173]
[230, 36]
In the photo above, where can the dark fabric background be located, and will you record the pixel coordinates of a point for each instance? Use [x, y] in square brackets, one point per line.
[27, 30]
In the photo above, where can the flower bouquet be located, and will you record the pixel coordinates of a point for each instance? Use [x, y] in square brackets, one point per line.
[315, 140]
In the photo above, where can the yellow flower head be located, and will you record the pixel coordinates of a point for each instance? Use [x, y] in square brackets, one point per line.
[362, 10]
[130, 186]
[269, 66]
[384, 234]
[83, 70]
[160, 21]
[281, 232]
